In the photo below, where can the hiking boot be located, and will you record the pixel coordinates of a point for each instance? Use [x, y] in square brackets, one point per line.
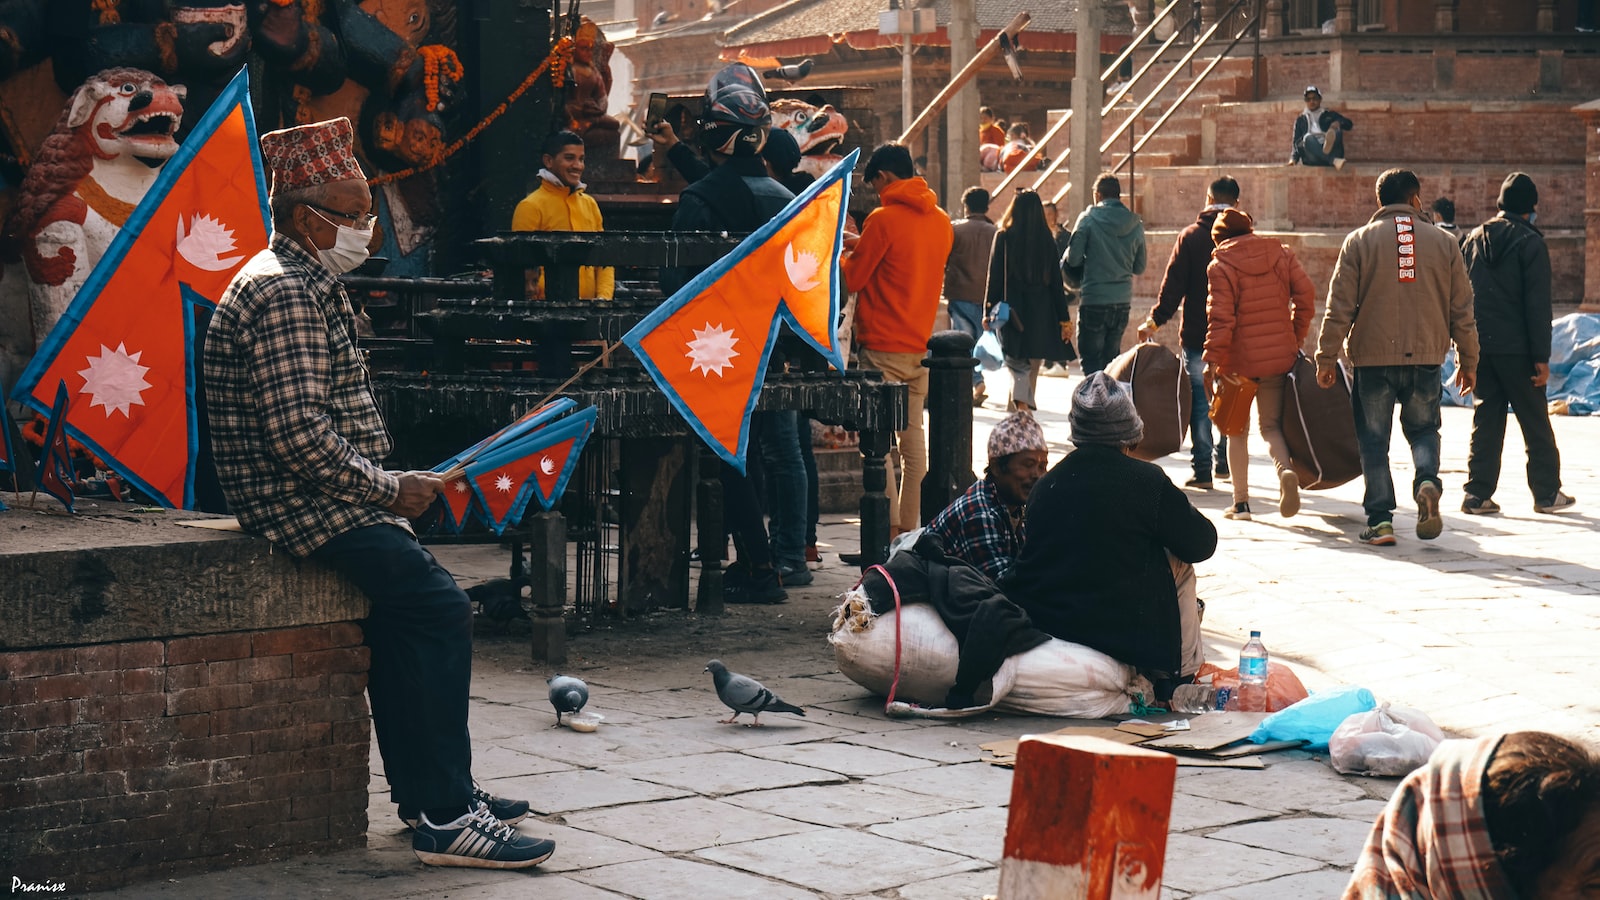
[1379, 535]
[478, 840]
[1239, 512]
[1199, 482]
[1288, 493]
[753, 586]
[1479, 506]
[1429, 523]
[508, 811]
[795, 576]
[1557, 504]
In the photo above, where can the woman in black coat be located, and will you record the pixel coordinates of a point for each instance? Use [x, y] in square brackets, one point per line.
[1024, 273]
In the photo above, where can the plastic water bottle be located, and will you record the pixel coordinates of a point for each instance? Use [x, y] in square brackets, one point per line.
[1253, 675]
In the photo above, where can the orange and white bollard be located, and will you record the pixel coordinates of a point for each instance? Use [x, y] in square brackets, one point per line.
[1088, 820]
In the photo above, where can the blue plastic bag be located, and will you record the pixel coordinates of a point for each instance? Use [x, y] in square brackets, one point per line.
[1315, 718]
[988, 351]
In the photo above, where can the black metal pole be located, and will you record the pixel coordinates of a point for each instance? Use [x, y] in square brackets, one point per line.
[949, 365]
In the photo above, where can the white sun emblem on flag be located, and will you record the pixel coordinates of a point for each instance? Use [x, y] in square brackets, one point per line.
[711, 351]
[460, 486]
[114, 379]
[502, 483]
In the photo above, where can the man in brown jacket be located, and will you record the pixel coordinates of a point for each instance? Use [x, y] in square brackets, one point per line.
[1399, 296]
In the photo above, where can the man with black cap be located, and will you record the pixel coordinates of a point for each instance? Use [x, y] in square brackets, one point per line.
[1109, 546]
[299, 441]
[1509, 265]
[1319, 134]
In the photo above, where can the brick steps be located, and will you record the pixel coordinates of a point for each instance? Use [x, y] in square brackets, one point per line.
[1299, 198]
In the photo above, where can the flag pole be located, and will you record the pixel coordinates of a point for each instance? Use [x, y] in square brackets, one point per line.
[460, 469]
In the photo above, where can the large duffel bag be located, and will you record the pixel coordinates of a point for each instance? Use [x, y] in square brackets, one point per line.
[1320, 428]
[1160, 393]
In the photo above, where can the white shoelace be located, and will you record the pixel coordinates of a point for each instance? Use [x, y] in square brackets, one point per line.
[491, 826]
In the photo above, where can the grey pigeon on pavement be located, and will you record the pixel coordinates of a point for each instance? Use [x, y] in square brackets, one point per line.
[567, 694]
[744, 694]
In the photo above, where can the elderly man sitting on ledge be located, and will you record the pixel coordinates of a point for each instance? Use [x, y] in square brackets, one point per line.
[983, 527]
[1108, 550]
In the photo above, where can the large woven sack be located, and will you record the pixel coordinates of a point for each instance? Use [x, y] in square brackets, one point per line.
[1160, 393]
[864, 648]
[1059, 678]
[1320, 428]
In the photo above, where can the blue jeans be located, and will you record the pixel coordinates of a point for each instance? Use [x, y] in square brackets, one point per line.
[1204, 448]
[419, 632]
[1100, 331]
[967, 318]
[1377, 390]
[786, 484]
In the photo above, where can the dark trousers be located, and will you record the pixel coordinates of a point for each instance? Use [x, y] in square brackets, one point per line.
[420, 635]
[1100, 331]
[1377, 389]
[813, 494]
[1506, 380]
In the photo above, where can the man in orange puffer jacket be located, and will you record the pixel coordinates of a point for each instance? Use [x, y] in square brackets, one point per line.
[1258, 315]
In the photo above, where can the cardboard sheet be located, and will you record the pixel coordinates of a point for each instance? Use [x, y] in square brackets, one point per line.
[1211, 731]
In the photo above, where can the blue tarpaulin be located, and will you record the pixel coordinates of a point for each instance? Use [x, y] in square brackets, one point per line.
[1574, 388]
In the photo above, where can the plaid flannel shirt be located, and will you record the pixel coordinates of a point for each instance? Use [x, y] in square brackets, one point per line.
[978, 530]
[294, 428]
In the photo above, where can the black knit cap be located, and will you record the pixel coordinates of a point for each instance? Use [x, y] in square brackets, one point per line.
[1518, 194]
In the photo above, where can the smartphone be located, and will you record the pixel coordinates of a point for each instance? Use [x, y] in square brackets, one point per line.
[656, 111]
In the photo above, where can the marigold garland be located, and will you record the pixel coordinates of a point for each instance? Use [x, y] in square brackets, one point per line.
[108, 11]
[438, 61]
[556, 63]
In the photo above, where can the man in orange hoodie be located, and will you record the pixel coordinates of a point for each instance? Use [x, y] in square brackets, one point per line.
[896, 267]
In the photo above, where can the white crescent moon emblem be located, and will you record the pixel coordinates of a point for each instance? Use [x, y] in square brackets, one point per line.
[547, 465]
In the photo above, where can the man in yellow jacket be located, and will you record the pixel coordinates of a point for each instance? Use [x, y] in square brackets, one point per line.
[559, 203]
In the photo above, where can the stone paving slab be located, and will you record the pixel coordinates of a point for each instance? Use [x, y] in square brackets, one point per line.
[978, 832]
[966, 886]
[681, 879]
[841, 862]
[1197, 864]
[976, 783]
[1281, 786]
[845, 805]
[1190, 812]
[678, 826]
[782, 728]
[948, 744]
[1333, 840]
[581, 848]
[1323, 885]
[560, 792]
[716, 774]
[846, 759]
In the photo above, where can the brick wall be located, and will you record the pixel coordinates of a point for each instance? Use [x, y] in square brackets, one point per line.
[1433, 65]
[131, 760]
[1407, 131]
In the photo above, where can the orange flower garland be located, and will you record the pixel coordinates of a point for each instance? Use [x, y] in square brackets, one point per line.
[438, 61]
[556, 63]
[108, 11]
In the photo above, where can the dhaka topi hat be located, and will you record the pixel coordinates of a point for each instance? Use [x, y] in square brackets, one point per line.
[1103, 413]
[1229, 223]
[309, 155]
[1016, 433]
[1518, 195]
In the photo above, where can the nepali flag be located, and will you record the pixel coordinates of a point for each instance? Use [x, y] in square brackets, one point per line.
[457, 502]
[55, 474]
[708, 345]
[538, 464]
[125, 346]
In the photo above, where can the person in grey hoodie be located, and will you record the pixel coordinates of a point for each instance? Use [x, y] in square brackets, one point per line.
[1106, 251]
[1509, 266]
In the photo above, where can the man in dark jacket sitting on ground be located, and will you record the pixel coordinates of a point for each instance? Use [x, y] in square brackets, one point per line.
[1109, 545]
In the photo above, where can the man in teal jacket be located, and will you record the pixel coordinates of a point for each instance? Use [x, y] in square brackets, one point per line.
[1107, 250]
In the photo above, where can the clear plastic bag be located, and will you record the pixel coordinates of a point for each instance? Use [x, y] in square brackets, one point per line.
[1384, 741]
[988, 351]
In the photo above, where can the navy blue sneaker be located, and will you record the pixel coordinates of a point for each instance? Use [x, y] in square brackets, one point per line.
[478, 841]
[508, 811]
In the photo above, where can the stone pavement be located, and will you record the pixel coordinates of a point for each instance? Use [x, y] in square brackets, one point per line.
[1486, 629]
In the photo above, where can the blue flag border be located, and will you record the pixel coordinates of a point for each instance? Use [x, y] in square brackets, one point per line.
[580, 424]
[237, 93]
[700, 283]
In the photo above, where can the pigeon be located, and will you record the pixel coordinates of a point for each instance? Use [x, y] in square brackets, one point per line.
[567, 694]
[500, 599]
[744, 694]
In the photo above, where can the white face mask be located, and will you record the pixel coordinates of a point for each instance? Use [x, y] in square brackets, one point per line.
[349, 248]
